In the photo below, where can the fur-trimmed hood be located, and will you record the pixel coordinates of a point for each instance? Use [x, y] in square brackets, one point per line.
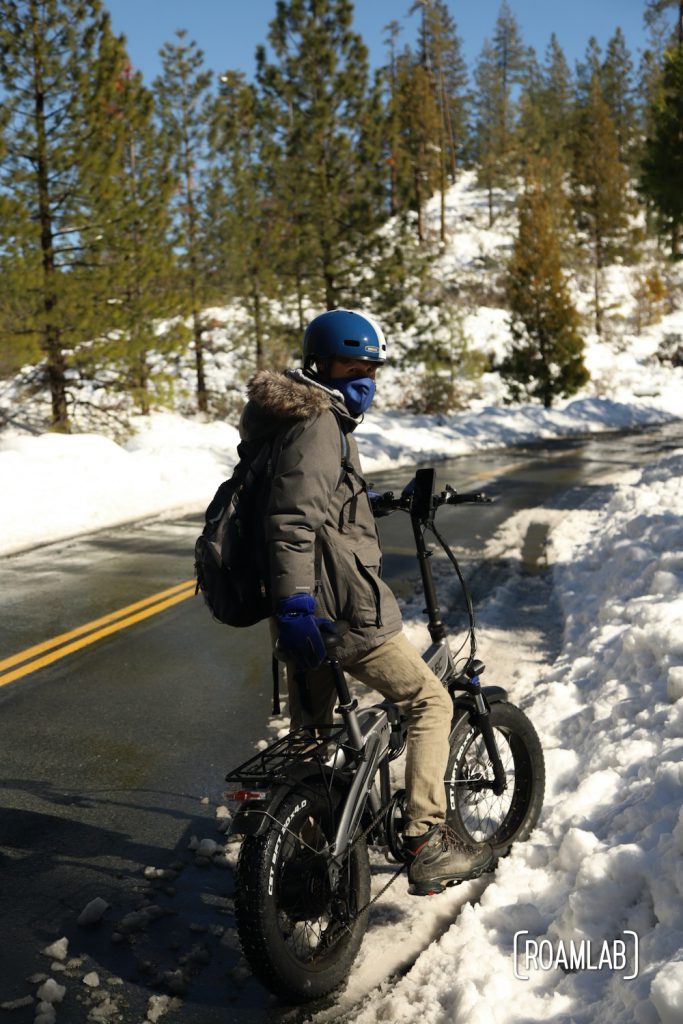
[275, 398]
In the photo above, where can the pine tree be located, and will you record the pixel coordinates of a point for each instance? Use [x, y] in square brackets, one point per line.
[655, 12]
[58, 62]
[184, 102]
[389, 81]
[440, 51]
[512, 58]
[600, 188]
[327, 149]
[546, 360]
[556, 107]
[246, 231]
[532, 128]
[619, 93]
[589, 69]
[139, 264]
[501, 65]
[662, 165]
[418, 154]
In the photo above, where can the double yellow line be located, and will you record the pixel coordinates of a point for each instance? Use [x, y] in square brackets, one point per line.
[58, 647]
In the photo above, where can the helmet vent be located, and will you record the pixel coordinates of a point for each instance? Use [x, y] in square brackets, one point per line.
[352, 342]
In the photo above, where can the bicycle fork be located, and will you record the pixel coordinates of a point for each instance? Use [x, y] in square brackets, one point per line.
[482, 720]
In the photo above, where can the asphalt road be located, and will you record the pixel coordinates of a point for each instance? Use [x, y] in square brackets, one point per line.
[113, 755]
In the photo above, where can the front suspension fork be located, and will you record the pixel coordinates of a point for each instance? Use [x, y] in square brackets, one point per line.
[483, 722]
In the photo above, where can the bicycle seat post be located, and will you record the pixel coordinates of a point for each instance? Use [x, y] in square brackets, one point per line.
[347, 706]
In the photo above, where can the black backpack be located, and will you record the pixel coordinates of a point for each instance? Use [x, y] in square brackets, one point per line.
[231, 554]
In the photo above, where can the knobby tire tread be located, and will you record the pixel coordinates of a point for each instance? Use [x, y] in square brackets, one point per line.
[256, 923]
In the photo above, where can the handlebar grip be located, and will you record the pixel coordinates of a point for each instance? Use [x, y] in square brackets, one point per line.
[469, 498]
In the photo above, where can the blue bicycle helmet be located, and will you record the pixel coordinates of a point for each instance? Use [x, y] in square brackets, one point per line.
[344, 333]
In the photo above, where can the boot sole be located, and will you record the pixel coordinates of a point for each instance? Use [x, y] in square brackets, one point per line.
[434, 886]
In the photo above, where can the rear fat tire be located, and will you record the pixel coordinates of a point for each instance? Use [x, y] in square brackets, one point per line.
[284, 938]
[476, 813]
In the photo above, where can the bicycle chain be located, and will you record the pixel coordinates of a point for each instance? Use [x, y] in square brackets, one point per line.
[382, 811]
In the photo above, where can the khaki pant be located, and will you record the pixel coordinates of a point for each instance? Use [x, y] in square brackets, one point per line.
[398, 672]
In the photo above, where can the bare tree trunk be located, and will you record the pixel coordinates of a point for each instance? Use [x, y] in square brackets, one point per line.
[198, 336]
[597, 287]
[52, 342]
[258, 327]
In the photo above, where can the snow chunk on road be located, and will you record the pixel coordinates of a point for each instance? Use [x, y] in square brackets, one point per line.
[51, 992]
[58, 950]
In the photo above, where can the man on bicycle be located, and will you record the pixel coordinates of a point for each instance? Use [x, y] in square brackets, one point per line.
[325, 563]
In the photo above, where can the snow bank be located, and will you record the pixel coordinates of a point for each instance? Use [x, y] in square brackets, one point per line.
[57, 486]
[606, 857]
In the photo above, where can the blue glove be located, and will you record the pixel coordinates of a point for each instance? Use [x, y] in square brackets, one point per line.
[299, 638]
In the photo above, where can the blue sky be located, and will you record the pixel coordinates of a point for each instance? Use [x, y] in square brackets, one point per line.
[228, 31]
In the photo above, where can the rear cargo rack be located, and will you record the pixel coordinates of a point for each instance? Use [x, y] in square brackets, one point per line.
[301, 746]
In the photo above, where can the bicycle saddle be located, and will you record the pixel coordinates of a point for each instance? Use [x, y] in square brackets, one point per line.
[333, 632]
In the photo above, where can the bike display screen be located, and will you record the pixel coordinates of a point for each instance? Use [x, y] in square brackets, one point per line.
[422, 495]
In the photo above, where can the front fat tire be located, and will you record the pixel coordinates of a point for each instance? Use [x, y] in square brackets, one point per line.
[284, 947]
[474, 811]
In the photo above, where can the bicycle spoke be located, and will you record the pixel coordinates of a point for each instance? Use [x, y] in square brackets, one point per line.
[483, 811]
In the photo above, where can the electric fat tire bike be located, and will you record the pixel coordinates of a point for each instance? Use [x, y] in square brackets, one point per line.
[311, 803]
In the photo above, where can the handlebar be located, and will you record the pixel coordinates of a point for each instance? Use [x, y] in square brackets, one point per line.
[387, 502]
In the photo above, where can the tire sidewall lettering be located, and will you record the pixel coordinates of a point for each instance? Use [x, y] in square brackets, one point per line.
[278, 842]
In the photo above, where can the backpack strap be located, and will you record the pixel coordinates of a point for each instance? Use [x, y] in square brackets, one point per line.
[347, 470]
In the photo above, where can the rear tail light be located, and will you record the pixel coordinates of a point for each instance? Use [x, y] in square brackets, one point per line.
[247, 794]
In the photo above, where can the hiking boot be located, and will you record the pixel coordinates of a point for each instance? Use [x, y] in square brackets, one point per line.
[439, 858]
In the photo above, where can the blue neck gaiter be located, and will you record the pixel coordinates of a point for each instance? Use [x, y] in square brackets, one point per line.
[358, 392]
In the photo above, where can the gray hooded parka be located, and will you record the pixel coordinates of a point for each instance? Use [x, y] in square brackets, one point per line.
[320, 529]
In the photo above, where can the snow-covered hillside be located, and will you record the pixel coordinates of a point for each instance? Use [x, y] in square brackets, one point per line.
[175, 461]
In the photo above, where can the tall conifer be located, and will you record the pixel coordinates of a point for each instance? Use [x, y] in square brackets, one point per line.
[501, 65]
[440, 50]
[662, 166]
[317, 87]
[619, 92]
[600, 188]
[418, 155]
[247, 230]
[546, 360]
[184, 104]
[140, 279]
[58, 64]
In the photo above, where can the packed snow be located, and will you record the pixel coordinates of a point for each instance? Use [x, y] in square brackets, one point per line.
[605, 862]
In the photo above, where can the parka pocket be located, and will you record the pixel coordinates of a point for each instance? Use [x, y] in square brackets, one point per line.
[371, 610]
[349, 587]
